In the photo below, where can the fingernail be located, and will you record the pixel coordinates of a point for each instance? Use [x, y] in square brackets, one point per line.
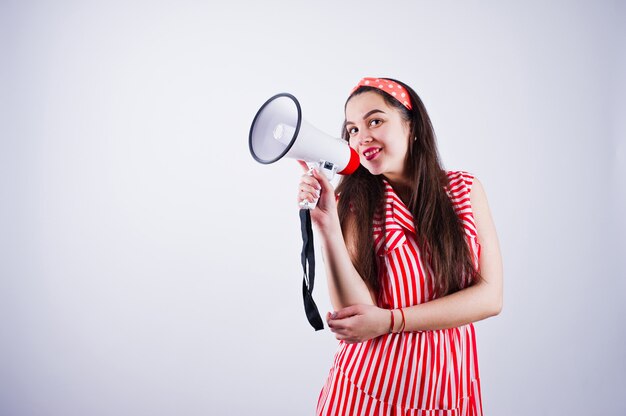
[333, 315]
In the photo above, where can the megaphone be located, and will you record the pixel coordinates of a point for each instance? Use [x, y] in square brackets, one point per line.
[278, 130]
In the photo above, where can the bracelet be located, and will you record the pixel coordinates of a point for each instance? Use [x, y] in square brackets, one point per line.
[392, 321]
[403, 321]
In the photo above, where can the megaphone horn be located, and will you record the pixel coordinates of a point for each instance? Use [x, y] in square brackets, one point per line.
[278, 130]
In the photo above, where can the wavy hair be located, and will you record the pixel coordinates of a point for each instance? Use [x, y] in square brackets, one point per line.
[439, 230]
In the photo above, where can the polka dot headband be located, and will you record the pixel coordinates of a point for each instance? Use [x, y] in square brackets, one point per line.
[392, 88]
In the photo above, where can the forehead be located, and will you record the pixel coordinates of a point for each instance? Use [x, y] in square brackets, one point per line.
[361, 104]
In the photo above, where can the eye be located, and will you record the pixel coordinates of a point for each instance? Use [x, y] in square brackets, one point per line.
[375, 122]
[352, 131]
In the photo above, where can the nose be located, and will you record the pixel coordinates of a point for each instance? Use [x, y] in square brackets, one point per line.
[364, 138]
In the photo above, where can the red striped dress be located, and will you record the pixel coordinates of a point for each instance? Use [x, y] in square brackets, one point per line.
[423, 373]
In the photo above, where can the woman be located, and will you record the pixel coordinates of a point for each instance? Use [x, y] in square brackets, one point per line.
[412, 259]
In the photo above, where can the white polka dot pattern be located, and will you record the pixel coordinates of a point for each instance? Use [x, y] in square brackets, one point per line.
[388, 86]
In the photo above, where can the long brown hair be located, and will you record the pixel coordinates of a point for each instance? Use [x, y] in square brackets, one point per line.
[439, 231]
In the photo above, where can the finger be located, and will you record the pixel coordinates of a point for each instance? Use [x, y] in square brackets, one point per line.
[310, 189]
[347, 312]
[304, 165]
[311, 181]
[329, 317]
[345, 324]
[347, 339]
[307, 196]
[334, 323]
[340, 337]
[343, 334]
[323, 180]
[337, 326]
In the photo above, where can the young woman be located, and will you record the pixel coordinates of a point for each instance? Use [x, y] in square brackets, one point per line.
[412, 259]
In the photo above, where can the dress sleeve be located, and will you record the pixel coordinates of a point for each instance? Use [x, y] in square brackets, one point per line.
[460, 186]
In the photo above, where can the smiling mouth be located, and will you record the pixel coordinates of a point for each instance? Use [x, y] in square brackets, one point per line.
[371, 153]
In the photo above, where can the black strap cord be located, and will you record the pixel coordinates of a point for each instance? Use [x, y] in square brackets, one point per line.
[308, 270]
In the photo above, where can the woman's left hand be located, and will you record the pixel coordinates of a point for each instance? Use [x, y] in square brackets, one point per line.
[359, 323]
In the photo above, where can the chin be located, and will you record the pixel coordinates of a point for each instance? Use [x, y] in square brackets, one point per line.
[374, 171]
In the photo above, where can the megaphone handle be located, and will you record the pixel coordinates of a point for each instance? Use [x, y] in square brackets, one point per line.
[329, 170]
[307, 204]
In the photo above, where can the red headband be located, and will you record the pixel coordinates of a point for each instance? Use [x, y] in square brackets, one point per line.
[394, 89]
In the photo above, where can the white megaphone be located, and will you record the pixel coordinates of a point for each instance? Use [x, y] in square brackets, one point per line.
[278, 130]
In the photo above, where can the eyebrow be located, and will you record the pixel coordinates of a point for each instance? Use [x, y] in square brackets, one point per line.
[369, 113]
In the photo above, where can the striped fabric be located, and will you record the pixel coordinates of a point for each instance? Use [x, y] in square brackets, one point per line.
[424, 373]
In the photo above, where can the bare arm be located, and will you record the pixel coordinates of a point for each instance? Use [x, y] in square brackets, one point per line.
[482, 300]
[476, 302]
[345, 285]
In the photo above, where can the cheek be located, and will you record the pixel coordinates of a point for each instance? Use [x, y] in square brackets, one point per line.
[402, 143]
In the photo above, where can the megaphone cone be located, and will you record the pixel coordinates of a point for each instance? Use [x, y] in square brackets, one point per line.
[278, 130]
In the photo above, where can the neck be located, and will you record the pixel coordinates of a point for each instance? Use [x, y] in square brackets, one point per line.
[397, 181]
[402, 187]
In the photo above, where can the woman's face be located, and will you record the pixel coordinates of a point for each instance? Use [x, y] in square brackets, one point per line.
[379, 135]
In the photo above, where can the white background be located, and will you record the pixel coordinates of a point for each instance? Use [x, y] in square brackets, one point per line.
[148, 266]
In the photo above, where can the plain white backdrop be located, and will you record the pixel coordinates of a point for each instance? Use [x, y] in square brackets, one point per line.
[148, 266]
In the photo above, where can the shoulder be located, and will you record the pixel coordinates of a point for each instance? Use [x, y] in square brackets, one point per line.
[478, 199]
[459, 189]
[460, 181]
[465, 192]
[462, 184]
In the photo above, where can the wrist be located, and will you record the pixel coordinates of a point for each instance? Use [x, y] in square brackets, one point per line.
[397, 321]
[330, 230]
[392, 322]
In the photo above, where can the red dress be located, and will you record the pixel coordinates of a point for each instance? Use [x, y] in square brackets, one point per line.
[423, 373]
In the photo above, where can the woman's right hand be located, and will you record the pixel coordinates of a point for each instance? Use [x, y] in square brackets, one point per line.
[324, 216]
